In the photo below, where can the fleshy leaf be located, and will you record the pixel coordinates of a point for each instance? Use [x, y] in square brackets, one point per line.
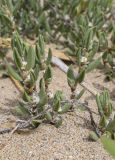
[49, 57]
[71, 78]
[21, 110]
[109, 145]
[13, 73]
[30, 58]
[48, 75]
[80, 77]
[17, 58]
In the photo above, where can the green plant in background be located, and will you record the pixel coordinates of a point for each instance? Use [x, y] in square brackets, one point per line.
[79, 17]
[7, 24]
[17, 15]
[109, 63]
[109, 58]
[82, 30]
[56, 18]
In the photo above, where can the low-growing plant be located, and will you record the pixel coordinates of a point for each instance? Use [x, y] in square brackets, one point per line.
[28, 62]
[106, 125]
[105, 129]
[83, 29]
[107, 122]
[109, 58]
[40, 106]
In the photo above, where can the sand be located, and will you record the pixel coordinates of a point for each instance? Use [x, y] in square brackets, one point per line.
[69, 142]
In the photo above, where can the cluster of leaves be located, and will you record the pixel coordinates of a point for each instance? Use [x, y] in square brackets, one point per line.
[109, 63]
[25, 58]
[74, 80]
[107, 122]
[57, 18]
[28, 19]
[109, 57]
[40, 106]
[106, 125]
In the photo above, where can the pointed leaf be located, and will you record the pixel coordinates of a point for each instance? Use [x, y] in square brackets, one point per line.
[71, 78]
[48, 116]
[81, 76]
[49, 57]
[80, 94]
[13, 73]
[41, 44]
[111, 126]
[22, 110]
[42, 95]
[48, 75]
[103, 122]
[36, 71]
[26, 97]
[30, 58]
[17, 58]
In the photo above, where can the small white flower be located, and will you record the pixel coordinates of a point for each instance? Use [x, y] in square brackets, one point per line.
[101, 53]
[35, 98]
[66, 17]
[105, 26]
[83, 59]
[108, 9]
[60, 109]
[24, 63]
[90, 24]
[28, 77]
[50, 94]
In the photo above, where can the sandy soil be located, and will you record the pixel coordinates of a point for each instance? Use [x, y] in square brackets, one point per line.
[69, 142]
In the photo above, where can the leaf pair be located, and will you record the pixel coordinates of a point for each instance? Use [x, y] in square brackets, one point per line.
[42, 96]
[57, 106]
[40, 53]
[73, 80]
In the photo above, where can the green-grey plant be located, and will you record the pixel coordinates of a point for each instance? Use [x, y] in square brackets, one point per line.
[27, 63]
[42, 106]
[74, 80]
[80, 26]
